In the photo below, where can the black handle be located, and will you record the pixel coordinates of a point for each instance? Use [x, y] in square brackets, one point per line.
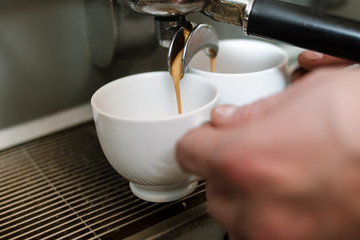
[306, 28]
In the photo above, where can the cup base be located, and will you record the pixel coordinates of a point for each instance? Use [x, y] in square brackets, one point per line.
[162, 193]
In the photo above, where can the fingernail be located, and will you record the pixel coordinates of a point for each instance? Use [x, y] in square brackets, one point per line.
[312, 56]
[225, 111]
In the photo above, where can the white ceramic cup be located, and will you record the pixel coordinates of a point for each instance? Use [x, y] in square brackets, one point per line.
[138, 126]
[245, 70]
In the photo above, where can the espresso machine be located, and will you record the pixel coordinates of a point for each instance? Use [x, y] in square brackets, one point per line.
[55, 182]
[301, 26]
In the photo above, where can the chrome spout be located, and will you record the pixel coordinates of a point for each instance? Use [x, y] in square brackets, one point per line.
[201, 38]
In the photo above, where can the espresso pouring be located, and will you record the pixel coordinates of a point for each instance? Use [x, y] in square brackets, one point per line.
[177, 75]
[176, 72]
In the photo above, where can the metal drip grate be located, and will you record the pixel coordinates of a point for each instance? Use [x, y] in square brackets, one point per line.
[62, 187]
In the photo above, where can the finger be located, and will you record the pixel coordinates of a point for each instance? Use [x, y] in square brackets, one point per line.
[310, 60]
[196, 150]
[229, 115]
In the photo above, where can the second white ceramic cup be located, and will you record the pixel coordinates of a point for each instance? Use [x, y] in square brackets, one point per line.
[245, 70]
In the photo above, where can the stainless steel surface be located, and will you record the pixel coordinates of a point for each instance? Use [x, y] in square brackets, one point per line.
[245, 17]
[61, 186]
[44, 126]
[191, 224]
[165, 7]
[166, 28]
[201, 37]
[228, 11]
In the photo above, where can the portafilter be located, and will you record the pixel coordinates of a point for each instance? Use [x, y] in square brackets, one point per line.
[301, 26]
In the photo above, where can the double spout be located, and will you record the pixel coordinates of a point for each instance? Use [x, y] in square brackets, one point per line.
[170, 34]
[170, 23]
[200, 37]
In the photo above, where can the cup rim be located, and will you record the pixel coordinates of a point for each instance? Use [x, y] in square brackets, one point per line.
[213, 101]
[283, 63]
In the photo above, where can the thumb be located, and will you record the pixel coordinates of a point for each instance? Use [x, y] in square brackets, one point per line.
[229, 115]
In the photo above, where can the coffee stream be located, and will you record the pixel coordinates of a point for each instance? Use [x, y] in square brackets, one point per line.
[212, 64]
[176, 71]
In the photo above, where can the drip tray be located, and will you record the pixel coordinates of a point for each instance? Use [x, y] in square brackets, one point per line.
[62, 187]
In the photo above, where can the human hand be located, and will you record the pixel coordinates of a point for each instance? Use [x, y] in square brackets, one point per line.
[286, 167]
[310, 60]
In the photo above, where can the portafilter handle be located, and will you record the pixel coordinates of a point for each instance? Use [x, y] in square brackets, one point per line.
[301, 26]
[305, 27]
